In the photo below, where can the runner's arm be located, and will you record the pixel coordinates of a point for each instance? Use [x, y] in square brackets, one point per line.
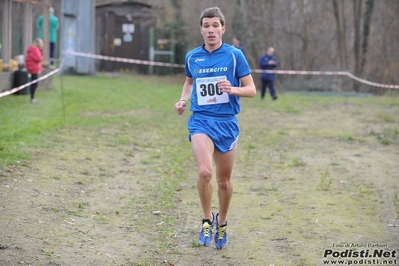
[248, 88]
[180, 106]
[187, 89]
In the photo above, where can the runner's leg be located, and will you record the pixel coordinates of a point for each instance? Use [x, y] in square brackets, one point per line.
[203, 149]
[224, 166]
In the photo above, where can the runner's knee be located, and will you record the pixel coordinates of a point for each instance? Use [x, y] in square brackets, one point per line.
[224, 184]
[205, 174]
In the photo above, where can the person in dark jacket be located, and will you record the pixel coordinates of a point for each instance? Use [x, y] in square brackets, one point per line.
[237, 44]
[268, 61]
[33, 64]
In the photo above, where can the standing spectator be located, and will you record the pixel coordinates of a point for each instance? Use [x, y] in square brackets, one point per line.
[53, 26]
[268, 61]
[33, 64]
[237, 44]
[213, 74]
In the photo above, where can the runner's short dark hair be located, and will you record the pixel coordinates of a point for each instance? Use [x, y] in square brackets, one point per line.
[213, 12]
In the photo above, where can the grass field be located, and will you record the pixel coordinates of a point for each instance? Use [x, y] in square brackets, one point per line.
[108, 178]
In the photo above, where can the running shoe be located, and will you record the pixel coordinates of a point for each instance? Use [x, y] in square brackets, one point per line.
[205, 236]
[221, 234]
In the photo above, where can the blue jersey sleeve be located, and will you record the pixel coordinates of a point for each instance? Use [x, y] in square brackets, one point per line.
[242, 68]
[187, 65]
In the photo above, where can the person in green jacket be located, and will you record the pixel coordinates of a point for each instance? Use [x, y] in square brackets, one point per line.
[53, 26]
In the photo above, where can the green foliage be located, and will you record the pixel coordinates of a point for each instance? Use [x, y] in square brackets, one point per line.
[325, 181]
[195, 243]
[297, 162]
[387, 118]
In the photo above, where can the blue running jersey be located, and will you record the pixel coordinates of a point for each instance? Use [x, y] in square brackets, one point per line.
[206, 68]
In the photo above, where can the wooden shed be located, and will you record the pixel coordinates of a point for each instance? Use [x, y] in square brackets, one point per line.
[122, 30]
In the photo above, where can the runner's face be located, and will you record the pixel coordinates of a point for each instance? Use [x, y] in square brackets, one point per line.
[212, 31]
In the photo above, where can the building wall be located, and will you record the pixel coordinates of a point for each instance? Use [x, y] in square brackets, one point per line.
[112, 40]
[5, 81]
[77, 34]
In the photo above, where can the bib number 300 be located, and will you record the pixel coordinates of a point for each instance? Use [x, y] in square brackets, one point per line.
[208, 91]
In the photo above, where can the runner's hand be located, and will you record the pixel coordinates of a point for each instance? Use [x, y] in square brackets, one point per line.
[225, 86]
[180, 107]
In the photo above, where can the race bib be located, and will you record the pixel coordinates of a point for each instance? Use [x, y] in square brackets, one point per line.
[208, 91]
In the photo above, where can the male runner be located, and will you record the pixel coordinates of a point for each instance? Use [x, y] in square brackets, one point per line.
[213, 74]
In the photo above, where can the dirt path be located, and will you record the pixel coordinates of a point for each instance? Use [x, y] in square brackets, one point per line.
[125, 194]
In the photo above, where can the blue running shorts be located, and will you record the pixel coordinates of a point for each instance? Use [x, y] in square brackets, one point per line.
[223, 131]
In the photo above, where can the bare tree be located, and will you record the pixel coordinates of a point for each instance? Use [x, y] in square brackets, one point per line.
[357, 16]
[341, 31]
[366, 31]
[304, 33]
[271, 22]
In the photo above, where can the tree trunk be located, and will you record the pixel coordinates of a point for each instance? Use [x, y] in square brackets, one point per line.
[304, 33]
[271, 31]
[239, 20]
[357, 17]
[366, 31]
[291, 36]
[341, 31]
[357, 9]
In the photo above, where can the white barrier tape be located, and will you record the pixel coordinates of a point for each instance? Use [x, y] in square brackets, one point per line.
[123, 60]
[283, 72]
[14, 90]
[372, 83]
[301, 72]
[328, 73]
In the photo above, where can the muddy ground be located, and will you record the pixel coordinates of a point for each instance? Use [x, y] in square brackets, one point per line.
[124, 194]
